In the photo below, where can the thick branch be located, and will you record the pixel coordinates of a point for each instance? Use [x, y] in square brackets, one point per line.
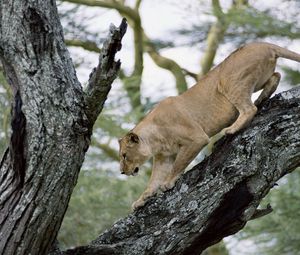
[218, 196]
[102, 77]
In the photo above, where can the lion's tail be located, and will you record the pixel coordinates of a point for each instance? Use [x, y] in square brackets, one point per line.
[285, 53]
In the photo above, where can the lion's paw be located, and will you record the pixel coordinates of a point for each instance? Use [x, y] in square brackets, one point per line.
[137, 204]
[167, 185]
[229, 131]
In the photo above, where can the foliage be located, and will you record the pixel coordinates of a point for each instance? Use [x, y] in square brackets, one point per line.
[98, 200]
[246, 24]
[253, 24]
[291, 76]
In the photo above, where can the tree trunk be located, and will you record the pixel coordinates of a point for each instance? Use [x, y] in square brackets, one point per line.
[218, 196]
[52, 121]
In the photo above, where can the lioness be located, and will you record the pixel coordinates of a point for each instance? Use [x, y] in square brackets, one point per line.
[175, 131]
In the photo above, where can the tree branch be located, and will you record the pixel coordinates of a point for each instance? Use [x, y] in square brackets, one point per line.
[137, 4]
[109, 151]
[189, 73]
[102, 77]
[120, 7]
[134, 20]
[168, 64]
[132, 83]
[214, 37]
[218, 196]
[216, 33]
[87, 45]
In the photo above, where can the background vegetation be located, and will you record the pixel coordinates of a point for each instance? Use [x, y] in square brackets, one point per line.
[154, 66]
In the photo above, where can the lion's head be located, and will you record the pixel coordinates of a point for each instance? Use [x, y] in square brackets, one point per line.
[132, 154]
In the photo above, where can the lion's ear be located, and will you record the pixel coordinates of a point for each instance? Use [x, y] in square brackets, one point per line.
[134, 138]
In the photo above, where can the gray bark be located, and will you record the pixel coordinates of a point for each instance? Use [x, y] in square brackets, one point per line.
[52, 121]
[218, 196]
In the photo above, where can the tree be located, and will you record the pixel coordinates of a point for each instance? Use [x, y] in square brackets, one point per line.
[51, 127]
[52, 120]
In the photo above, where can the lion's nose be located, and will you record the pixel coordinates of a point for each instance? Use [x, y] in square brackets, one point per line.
[122, 172]
[136, 170]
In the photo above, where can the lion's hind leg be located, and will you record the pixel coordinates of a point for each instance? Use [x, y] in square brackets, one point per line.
[268, 89]
[240, 97]
[247, 111]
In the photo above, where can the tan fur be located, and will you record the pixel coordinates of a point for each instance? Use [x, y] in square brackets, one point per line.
[175, 131]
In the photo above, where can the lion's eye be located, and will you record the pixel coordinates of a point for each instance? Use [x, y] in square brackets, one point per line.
[124, 156]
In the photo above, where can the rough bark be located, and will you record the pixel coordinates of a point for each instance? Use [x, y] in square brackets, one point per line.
[52, 121]
[218, 196]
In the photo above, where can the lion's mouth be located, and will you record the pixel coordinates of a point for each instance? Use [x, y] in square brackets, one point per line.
[135, 171]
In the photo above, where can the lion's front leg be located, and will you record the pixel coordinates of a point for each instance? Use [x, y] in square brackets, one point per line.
[143, 198]
[162, 166]
[184, 157]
